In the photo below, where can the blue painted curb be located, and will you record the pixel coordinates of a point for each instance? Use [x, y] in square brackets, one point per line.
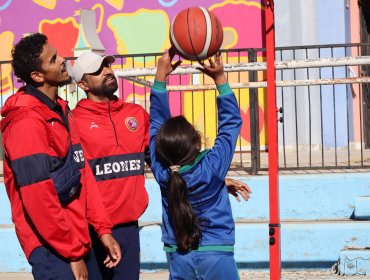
[314, 209]
[303, 245]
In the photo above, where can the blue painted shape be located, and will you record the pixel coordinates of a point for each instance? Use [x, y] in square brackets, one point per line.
[5, 5]
[362, 208]
[354, 262]
[167, 4]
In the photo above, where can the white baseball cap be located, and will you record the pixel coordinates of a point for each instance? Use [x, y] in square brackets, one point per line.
[88, 63]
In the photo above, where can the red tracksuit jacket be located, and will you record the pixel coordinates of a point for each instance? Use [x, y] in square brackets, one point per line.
[35, 139]
[115, 135]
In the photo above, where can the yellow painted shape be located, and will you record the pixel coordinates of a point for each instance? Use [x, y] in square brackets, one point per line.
[100, 20]
[237, 2]
[117, 4]
[140, 99]
[202, 101]
[6, 39]
[48, 4]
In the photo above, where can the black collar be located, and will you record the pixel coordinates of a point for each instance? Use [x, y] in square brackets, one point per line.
[54, 106]
[42, 97]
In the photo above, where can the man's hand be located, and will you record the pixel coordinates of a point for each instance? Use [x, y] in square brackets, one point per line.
[236, 187]
[113, 250]
[79, 270]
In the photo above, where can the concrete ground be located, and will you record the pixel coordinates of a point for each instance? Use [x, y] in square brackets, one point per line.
[244, 275]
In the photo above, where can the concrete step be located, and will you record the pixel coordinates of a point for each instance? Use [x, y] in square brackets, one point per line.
[304, 244]
[314, 209]
[308, 244]
[302, 197]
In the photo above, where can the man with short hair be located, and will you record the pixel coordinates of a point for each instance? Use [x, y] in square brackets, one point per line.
[52, 191]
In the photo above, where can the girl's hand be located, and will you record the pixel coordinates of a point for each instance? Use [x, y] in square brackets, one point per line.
[215, 69]
[165, 66]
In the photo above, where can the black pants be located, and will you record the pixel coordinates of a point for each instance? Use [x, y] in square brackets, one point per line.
[127, 236]
[48, 265]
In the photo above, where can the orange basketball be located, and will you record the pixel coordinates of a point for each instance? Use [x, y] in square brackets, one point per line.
[196, 33]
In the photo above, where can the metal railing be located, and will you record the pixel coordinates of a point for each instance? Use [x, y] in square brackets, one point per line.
[331, 114]
[321, 92]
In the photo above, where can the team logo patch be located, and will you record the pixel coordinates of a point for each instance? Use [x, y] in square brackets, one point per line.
[93, 125]
[131, 123]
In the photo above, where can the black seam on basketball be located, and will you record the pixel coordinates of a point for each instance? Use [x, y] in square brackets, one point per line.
[190, 39]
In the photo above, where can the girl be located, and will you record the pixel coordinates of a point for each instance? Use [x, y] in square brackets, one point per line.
[198, 227]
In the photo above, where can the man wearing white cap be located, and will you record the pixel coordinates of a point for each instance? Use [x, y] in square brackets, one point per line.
[115, 136]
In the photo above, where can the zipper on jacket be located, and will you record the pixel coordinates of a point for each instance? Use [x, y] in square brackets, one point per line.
[114, 128]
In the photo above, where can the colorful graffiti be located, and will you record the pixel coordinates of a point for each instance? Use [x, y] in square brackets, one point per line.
[133, 27]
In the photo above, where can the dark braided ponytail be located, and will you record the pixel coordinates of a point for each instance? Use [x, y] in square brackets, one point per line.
[177, 144]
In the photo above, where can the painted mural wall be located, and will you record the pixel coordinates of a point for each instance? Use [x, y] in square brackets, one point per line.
[125, 27]
[132, 27]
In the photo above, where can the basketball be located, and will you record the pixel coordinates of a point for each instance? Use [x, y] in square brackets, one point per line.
[196, 33]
